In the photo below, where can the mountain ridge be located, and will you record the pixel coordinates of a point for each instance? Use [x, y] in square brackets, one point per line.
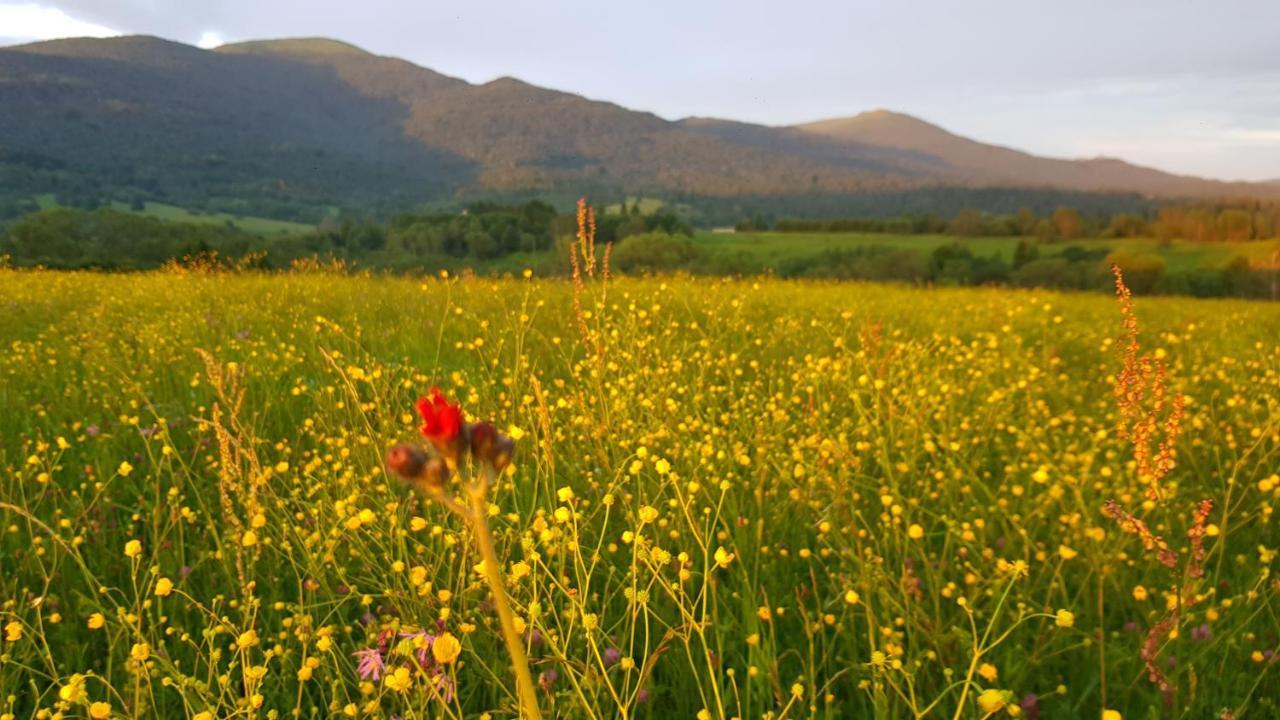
[321, 119]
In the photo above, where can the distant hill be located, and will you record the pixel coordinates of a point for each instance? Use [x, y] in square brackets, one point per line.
[282, 128]
[971, 162]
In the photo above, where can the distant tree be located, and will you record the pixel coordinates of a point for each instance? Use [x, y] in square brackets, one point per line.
[951, 264]
[1241, 279]
[1051, 272]
[1143, 274]
[1127, 225]
[1067, 223]
[633, 225]
[966, 223]
[1234, 225]
[1026, 251]
[654, 251]
[1044, 231]
[1026, 220]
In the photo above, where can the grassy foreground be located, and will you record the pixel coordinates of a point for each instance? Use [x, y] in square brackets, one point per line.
[730, 498]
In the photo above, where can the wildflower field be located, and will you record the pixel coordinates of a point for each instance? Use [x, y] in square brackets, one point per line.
[728, 498]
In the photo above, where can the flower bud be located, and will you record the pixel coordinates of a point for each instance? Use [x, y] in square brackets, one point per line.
[483, 438]
[547, 679]
[435, 475]
[503, 448]
[407, 461]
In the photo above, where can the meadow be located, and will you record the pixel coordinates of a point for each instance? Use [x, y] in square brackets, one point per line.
[174, 213]
[729, 498]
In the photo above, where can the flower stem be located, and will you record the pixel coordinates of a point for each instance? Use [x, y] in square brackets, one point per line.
[478, 519]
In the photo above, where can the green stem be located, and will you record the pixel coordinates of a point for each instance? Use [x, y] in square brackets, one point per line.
[478, 519]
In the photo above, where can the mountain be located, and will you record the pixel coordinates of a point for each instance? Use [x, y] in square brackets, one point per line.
[176, 123]
[287, 127]
[970, 162]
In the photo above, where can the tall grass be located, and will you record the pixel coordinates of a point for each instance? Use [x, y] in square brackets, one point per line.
[730, 498]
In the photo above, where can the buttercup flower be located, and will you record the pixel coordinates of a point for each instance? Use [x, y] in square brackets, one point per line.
[400, 679]
[446, 648]
[992, 701]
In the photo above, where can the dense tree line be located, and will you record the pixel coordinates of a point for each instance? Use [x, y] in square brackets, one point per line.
[496, 237]
[105, 238]
[938, 201]
[1206, 222]
[1070, 267]
[483, 231]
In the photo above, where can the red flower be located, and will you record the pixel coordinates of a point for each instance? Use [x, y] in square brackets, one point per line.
[441, 422]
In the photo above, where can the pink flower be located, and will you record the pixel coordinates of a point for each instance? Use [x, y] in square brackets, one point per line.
[369, 663]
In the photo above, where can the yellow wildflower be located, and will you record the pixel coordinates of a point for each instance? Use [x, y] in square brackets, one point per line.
[400, 679]
[446, 648]
[992, 701]
[723, 557]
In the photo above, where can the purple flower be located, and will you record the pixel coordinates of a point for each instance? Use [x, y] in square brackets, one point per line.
[612, 656]
[444, 684]
[92, 431]
[1203, 632]
[1030, 706]
[423, 653]
[369, 663]
[547, 679]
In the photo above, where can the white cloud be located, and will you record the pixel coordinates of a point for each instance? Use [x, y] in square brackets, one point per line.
[210, 39]
[30, 21]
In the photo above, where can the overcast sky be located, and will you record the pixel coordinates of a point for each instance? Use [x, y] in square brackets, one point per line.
[1190, 86]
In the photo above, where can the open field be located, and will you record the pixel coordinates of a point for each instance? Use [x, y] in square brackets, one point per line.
[730, 498]
[173, 213]
[771, 248]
